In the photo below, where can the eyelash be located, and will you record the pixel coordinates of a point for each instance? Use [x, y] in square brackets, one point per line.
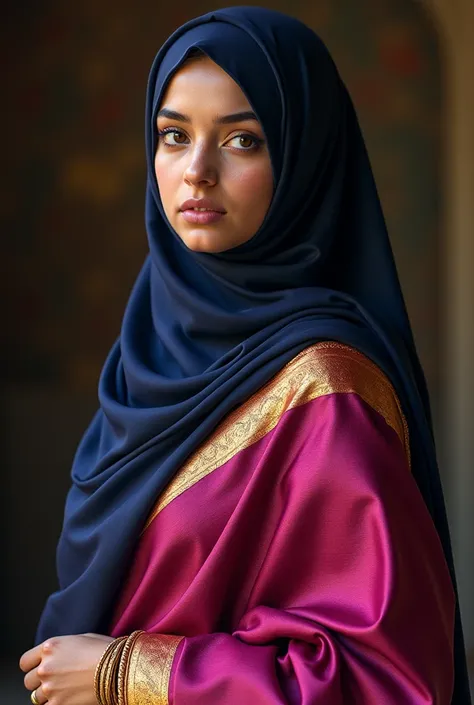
[257, 141]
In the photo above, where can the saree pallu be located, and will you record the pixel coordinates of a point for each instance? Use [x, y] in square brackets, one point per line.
[292, 559]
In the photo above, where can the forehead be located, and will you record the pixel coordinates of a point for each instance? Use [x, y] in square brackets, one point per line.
[202, 84]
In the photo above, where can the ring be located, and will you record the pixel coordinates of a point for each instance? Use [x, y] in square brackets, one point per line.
[34, 699]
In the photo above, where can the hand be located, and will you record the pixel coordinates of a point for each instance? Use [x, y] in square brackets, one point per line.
[62, 669]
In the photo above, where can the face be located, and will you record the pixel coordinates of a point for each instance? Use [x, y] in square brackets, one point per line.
[212, 162]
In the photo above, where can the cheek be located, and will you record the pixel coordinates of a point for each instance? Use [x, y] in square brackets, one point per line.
[251, 188]
[168, 180]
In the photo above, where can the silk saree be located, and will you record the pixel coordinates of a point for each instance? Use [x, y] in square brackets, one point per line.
[292, 559]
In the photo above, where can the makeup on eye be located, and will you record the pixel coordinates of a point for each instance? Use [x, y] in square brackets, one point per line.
[176, 134]
[213, 150]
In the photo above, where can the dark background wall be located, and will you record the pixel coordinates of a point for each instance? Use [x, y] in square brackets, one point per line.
[73, 236]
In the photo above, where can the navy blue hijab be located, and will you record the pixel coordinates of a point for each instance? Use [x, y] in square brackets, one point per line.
[202, 332]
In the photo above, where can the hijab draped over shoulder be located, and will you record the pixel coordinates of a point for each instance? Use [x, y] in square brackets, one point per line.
[202, 332]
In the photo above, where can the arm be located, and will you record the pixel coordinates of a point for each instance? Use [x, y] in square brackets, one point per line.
[353, 603]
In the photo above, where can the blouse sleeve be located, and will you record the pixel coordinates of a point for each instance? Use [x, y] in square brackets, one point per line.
[353, 602]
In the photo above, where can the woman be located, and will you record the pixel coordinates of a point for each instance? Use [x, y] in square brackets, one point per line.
[256, 514]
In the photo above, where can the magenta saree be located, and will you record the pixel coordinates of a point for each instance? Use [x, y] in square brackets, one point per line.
[292, 559]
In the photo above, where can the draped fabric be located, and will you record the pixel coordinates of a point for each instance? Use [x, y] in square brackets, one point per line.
[283, 564]
[202, 332]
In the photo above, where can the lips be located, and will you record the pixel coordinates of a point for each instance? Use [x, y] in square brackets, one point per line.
[202, 205]
[201, 211]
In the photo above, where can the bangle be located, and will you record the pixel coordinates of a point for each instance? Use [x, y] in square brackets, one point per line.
[115, 674]
[110, 673]
[98, 673]
[105, 682]
[123, 666]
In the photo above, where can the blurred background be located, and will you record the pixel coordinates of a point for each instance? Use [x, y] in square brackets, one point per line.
[73, 236]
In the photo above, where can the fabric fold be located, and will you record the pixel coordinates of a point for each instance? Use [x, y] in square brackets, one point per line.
[305, 569]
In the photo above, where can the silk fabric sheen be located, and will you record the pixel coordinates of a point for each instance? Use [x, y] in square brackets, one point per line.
[295, 553]
[202, 332]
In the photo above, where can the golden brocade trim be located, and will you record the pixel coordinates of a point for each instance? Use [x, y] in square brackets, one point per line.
[149, 669]
[321, 369]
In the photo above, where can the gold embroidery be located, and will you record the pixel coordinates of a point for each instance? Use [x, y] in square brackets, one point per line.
[321, 369]
[149, 669]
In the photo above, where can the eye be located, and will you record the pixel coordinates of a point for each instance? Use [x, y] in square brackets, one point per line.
[245, 143]
[172, 137]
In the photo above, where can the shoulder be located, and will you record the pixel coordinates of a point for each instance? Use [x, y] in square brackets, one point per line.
[331, 368]
[320, 370]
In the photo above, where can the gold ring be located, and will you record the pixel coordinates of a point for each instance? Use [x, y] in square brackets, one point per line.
[34, 699]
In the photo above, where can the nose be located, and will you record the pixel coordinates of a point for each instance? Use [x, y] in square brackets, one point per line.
[201, 168]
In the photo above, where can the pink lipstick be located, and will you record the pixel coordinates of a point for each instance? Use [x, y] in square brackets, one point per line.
[201, 211]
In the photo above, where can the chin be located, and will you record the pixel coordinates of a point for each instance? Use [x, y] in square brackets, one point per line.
[205, 241]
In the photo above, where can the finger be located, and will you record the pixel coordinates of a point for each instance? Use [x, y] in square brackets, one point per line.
[31, 659]
[32, 680]
[40, 696]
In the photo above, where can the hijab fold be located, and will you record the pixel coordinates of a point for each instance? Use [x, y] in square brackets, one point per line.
[202, 332]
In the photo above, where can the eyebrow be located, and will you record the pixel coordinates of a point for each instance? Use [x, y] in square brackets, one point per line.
[220, 120]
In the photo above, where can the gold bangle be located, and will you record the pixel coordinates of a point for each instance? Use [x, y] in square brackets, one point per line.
[101, 681]
[98, 672]
[110, 685]
[123, 666]
[104, 675]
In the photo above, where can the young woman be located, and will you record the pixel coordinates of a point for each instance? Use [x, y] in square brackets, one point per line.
[256, 514]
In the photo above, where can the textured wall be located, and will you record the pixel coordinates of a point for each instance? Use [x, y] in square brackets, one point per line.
[74, 200]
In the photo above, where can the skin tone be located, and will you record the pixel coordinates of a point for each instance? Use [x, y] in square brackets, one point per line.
[62, 669]
[211, 149]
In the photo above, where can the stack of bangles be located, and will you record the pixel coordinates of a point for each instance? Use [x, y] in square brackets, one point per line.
[112, 670]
